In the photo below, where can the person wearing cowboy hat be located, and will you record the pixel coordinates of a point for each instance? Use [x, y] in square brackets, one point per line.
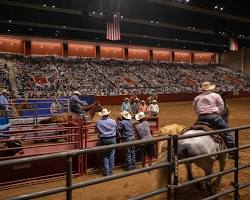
[4, 102]
[126, 105]
[125, 127]
[75, 104]
[107, 129]
[153, 109]
[143, 131]
[135, 106]
[143, 107]
[209, 107]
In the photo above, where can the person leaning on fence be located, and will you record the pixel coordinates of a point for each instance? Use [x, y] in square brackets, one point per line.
[75, 104]
[125, 127]
[143, 131]
[4, 102]
[107, 129]
[209, 106]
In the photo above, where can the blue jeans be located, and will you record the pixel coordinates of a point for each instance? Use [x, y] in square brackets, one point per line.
[130, 153]
[217, 122]
[108, 156]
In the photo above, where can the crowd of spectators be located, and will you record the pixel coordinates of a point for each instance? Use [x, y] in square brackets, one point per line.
[4, 75]
[116, 77]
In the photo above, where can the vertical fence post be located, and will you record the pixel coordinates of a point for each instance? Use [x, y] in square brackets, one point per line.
[69, 178]
[175, 166]
[236, 165]
[170, 168]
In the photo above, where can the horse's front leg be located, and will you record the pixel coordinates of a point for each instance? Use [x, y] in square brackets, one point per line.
[189, 171]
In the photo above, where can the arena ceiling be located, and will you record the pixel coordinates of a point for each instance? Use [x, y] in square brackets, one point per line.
[181, 24]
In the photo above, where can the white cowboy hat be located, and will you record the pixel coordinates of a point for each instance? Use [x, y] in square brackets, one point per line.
[77, 92]
[154, 101]
[104, 112]
[4, 91]
[140, 116]
[126, 114]
[207, 86]
[126, 98]
[143, 101]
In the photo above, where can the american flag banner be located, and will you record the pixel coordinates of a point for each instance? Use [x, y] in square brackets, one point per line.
[233, 44]
[113, 27]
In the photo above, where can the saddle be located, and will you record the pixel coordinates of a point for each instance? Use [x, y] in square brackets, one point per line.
[208, 127]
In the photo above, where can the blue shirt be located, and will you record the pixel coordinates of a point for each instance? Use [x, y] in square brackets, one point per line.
[126, 128]
[106, 127]
[3, 101]
[75, 100]
[143, 130]
[126, 106]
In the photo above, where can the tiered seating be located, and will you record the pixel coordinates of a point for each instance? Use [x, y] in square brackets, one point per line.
[114, 77]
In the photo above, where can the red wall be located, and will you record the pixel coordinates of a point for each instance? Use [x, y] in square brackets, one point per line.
[203, 57]
[111, 52]
[11, 45]
[46, 48]
[140, 54]
[161, 55]
[81, 50]
[182, 57]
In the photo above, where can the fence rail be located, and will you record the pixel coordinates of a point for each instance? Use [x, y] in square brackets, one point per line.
[172, 164]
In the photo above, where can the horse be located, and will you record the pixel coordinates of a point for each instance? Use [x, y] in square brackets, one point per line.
[196, 146]
[64, 117]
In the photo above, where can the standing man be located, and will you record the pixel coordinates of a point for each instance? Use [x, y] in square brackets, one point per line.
[75, 104]
[209, 106]
[126, 129]
[4, 102]
[126, 105]
[153, 109]
[143, 131]
[106, 129]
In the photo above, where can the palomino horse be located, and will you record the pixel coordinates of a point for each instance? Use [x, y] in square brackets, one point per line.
[64, 117]
[191, 147]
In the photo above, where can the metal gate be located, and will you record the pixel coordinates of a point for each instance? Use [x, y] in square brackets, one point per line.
[172, 187]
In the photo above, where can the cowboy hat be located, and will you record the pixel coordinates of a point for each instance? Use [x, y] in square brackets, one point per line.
[4, 91]
[143, 101]
[140, 116]
[126, 114]
[207, 86]
[154, 101]
[104, 112]
[77, 92]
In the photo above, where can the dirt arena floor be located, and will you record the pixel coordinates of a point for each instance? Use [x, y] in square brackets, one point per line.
[173, 112]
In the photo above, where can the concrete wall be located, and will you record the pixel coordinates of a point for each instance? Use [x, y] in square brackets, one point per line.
[237, 61]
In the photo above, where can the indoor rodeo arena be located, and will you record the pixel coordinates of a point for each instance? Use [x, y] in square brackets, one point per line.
[124, 100]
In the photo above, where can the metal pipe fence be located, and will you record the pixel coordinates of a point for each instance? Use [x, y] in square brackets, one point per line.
[172, 187]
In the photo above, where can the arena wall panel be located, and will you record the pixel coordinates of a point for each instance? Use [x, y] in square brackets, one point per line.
[138, 54]
[81, 50]
[11, 45]
[203, 57]
[112, 52]
[161, 55]
[46, 48]
[182, 57]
